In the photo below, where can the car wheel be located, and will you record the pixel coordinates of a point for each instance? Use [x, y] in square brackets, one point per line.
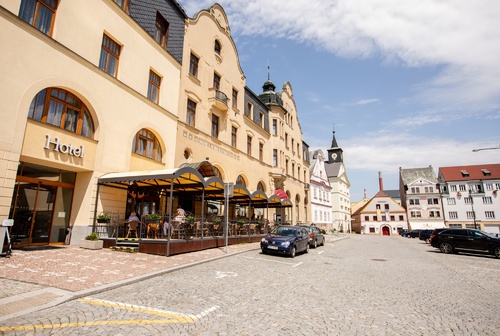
[315, 243]
[446, 248]
[307, 248]
[292, 252]
[496, 251]
[323, 242]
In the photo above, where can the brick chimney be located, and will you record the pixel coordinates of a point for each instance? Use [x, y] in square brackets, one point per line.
[380, 183]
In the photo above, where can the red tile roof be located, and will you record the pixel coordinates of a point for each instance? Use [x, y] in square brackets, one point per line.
[476, 172]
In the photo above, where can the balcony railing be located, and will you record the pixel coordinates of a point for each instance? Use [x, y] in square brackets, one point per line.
[220, 100]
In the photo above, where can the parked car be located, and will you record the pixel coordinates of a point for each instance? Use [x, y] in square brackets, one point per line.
[316, 237]
[286, 239]
[425, 235]
[403, 232]
[454, 240]
[413, 233]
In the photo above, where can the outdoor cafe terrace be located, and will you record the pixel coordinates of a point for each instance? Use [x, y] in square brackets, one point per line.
[217, 219]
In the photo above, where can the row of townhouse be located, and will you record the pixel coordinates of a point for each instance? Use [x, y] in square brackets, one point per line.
[458, 196]
[100, 86]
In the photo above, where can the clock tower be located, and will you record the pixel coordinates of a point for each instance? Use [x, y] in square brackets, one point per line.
[335, 153]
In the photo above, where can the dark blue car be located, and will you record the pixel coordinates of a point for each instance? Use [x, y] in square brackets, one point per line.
[286, 239]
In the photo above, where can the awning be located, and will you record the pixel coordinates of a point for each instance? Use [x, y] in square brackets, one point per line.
[187, 178]
[281, 193]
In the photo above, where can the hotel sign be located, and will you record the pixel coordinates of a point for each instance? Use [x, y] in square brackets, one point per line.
[56, 146]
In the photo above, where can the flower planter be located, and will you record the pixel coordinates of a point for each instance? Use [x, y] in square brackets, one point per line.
[102, 220]
[91, 244]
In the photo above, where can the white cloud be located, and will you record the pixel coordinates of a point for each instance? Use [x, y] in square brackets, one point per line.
[366, 101]
[462, 36]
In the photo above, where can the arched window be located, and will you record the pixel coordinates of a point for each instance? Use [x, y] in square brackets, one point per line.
[260, 187]
[146, 144]
[217, 47]
[63, 109]
[217, 172]
[240, 181]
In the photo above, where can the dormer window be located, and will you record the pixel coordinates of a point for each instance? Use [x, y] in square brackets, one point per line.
[464, 173]
[486, 172]
[161, 30]
[217, 47]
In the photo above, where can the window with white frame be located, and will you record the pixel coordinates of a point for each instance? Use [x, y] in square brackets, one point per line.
[461, 187]
[416, 214]
[489, 186]
[487, 200]
[453, 214]
[414, 201]
[434, 214]
[431, 201]
[470, 215]
[489, 214]
[453, 188]
[451, 201]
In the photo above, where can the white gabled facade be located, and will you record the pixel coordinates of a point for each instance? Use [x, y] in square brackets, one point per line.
[321, 203]
[340, 194]
[421, 198]
[382, 215]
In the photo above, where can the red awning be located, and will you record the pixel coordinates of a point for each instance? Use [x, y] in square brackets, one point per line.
[281, 193]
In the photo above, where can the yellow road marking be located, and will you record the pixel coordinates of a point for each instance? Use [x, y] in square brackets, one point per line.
[85, 324]
[172, 317]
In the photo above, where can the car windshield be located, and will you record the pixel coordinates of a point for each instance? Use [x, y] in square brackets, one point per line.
[284, 231]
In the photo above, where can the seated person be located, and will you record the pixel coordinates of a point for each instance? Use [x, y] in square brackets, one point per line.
[181, 214]
[133, 217]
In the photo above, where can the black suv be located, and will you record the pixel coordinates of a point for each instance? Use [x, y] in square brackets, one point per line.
[452, 240]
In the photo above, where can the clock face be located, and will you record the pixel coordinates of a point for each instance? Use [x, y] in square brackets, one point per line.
[334, 156]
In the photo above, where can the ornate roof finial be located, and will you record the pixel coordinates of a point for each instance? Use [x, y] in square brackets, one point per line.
[268, 70]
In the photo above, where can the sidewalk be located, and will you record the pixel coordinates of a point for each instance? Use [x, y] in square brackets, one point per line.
[39, 278]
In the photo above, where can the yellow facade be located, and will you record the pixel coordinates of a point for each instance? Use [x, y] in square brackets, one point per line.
[197, 143]
[68, 59]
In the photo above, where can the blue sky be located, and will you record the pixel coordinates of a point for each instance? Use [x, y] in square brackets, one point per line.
[403, 83]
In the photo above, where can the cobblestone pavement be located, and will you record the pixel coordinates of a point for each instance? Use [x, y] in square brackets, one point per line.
[364, 285]
[38, 278]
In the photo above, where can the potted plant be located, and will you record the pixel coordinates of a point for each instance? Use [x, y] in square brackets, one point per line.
[190, 219]
[152, 218]
[91, 242]
[103, 217]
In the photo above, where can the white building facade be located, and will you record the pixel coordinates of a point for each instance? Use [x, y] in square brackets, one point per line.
[340, 188]
[470, 196]
[421, 198]
[321, 204]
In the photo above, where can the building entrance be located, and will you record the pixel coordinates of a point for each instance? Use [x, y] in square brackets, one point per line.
[41, 206]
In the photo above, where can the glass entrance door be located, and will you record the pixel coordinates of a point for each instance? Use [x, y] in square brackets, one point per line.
[33, 213]
[41, 205]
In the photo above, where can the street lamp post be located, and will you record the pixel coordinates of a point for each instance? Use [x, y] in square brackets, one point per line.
[488, 148]
[472, 205]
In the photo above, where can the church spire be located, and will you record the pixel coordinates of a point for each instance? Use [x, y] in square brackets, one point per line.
[334, 141]
[335, 153]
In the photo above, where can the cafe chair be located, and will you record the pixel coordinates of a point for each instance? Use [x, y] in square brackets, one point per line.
[133, 227]
[177, 229]
[198, 229]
